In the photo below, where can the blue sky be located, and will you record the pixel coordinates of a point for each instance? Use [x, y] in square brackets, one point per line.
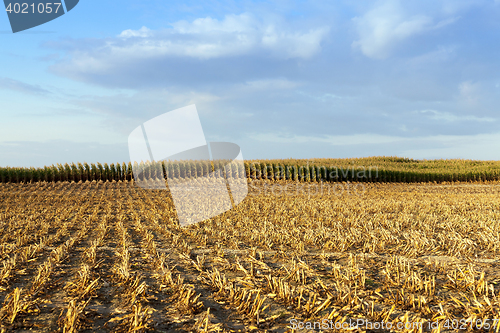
[301, 79]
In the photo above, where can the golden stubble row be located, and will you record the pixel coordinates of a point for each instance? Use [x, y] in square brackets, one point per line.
[304, 252]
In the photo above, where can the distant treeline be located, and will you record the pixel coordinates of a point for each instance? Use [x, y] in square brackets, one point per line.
[373, 169]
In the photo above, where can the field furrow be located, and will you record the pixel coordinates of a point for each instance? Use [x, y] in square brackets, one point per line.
[112, 257]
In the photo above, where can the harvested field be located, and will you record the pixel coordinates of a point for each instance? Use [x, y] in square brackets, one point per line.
[111, 257]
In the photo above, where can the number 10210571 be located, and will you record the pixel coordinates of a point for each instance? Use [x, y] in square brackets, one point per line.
[40, 8]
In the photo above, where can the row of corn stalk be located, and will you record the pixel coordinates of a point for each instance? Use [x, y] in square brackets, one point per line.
[316, 173]
[251, 170]
[67, 172]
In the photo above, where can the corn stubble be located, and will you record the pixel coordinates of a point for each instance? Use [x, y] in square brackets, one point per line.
[111, 257]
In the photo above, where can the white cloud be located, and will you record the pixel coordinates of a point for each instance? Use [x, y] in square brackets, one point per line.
[386, 25]
[469, 92]
[454, 6]
[334, 140]
[142, 32]
[271, 84]
[450, 117]
[207, 38]
[202, 39]
[15, 85]
[440, 55]
[127, 110]
[479, 146]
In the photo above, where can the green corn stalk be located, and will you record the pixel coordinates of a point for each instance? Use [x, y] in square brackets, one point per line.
[152, 170]
[131, 170]
[191, 168]
[143, 167]
[12, 175]
[282, 171]
[106, 173]
[180, 168]
[67, 172]
[320, 173]
[74, 172]
[164, 170]
[215, 168]
[234, 170]
[187, 165]
[28, 175]
[86, 173]
[209, 168]
[100, 171]
[31, 175]
[52, 174]
[112, 172]
[20, 175]
[247, 169]
[380, 176]
[93, 172]
[81, 172]
[276, 171]
[263, 170]
[168, 170]
[242, 174]
[313, 173]
[24, 175]
[7, 175]
[124, 172]
[156, 170]
[270, 171]
[125, 168]
[172, 170]
[228, 169]
[256, 172]
[118, 169]
[123, 175]
[60, 172]
[149, 170]
[197, 168]
[34, 175]
[307, 173]
[41, 174]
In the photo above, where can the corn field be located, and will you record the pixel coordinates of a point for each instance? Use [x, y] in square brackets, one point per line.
[377, 169]
[90, 255]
